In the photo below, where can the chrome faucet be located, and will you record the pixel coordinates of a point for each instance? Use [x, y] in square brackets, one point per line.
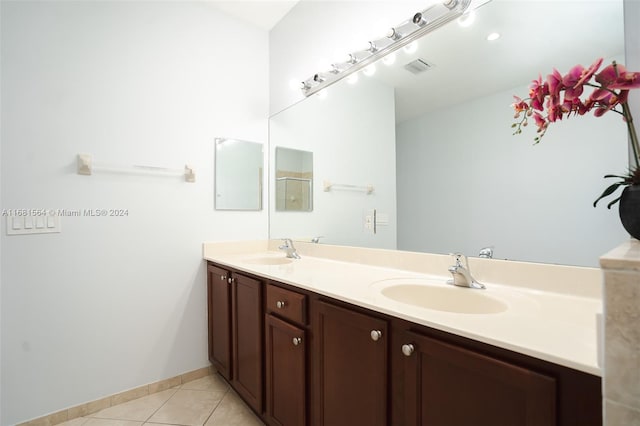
[289, 248]
[461, 274]
[486, 252]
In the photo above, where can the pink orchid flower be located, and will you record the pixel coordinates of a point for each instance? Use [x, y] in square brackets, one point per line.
[588, 73]
[610, 74]
[554, 80]
[626, 80]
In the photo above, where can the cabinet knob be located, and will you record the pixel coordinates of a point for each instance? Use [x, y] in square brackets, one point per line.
[376, 335]
[222, 278]
[407, 349]
[297, 341]
[280, 304]
[229, 280]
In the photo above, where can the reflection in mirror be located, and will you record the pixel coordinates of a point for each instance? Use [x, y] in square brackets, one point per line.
[464, 181]
[238, 174]
[294, 180]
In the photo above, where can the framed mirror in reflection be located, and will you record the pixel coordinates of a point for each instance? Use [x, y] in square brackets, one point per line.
[294, 180]
[461, 180]
[238, 174]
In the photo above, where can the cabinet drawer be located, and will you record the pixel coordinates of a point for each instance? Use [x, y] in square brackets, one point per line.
[287, 304]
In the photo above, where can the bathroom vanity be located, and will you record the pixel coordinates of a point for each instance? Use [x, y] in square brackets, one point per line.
[305, 342]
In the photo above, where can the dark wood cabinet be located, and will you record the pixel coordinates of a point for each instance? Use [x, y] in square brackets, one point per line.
[299, 358]
[247, 338]
[286, 372]
[349, 350]
[236, 319]
[446, 385]
[219, 318]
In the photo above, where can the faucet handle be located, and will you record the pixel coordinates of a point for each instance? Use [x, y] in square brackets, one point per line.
[486, 252]
[457, 257]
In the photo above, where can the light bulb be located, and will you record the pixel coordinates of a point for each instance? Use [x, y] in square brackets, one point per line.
[353, 78]
[493, 36]
[411, 47]
[389, 59]
[369, 70]
[322, 94]
[467, 19]
[296, 84]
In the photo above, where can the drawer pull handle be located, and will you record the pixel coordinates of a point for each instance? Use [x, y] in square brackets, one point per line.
[280, 304]
[407, 349]
[297, 341]
[376, 335]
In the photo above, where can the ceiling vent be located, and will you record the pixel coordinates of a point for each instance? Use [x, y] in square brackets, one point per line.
[418, 66]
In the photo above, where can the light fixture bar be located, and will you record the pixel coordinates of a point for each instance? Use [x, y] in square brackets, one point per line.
[422, 23]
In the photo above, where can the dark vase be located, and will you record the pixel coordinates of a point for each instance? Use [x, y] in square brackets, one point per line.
[630, 210]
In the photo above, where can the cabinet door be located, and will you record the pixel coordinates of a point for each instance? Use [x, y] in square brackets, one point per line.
[350, 367]
[248, 339]
[446, 385]
[219, 316]
[286, 373]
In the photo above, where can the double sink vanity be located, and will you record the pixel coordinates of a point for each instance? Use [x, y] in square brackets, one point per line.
[358, 336]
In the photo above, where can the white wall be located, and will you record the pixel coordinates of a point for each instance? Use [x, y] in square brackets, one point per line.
[315, 34]
[112, 303]
[512, 195]
[632, 52]
[355, 149]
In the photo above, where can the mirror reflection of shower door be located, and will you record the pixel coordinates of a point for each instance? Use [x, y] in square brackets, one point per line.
[293, 193]
[294, 180]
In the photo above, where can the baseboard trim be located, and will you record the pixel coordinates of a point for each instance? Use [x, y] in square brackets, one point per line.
[118, 398]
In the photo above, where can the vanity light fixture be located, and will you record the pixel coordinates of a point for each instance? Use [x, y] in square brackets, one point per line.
[419, 20]
[407, 32]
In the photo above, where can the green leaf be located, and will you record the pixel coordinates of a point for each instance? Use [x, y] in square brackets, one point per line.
[610, 190]
[613, 202]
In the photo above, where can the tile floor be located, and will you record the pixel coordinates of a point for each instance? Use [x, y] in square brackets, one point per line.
[207, 401]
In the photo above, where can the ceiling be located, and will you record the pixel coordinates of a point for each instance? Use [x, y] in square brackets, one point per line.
[264, 14]
[467, 66]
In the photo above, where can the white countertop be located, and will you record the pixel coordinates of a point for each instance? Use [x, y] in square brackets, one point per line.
[558, 327]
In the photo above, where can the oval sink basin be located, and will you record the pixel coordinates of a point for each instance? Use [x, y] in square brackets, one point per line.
[268, 260]
[445, 298]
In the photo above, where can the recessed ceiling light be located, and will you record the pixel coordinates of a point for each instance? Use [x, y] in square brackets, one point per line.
[493, 36]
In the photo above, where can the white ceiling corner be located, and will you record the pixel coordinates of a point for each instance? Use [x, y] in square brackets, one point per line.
[264, 14]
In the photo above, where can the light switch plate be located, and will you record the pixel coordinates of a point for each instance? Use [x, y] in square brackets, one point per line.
[27, 224]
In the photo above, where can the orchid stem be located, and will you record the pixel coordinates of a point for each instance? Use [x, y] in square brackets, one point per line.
[632, 133]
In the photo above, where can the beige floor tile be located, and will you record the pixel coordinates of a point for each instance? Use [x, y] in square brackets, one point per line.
[137, 410]
[188, 407]
[80, 421]
[208, 383]
[111, 422]
[232, 411]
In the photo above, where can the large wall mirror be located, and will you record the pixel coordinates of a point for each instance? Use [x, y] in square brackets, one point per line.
[238, 174]
[434, 137]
